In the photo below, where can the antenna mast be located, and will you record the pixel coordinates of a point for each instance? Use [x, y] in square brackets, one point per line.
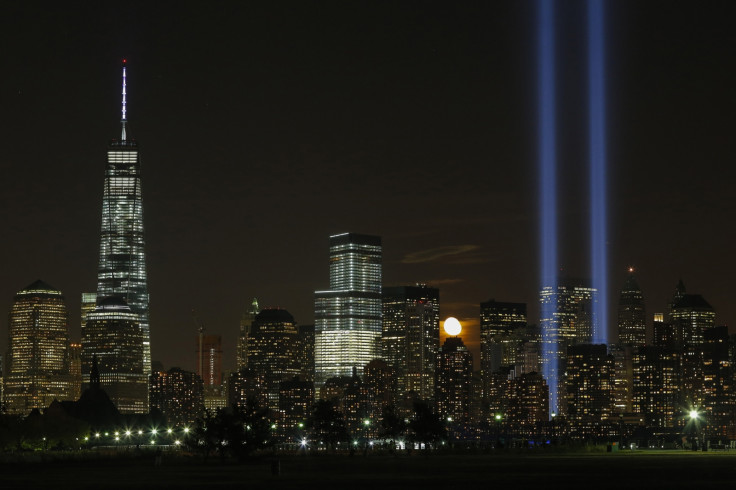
[124, 118]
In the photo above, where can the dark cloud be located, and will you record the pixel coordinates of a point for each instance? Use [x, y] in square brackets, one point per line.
[437, 253]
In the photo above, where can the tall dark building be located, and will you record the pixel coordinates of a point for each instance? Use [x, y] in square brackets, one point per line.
[631, 314]
[411, 337]
[691, 316]
[122, 264]
[274, 350]
[306, 358]
[245, 323]
[719, 396]
[179, 395]
[347, 317]
[454, 381]
[590, 393]
[500, 326]
[566, 319]
[114, 339]
[657, 386]
[38, 350]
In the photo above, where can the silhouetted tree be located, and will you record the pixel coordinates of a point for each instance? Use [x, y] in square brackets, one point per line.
[328, 424]
[426, 426]
[393, 426]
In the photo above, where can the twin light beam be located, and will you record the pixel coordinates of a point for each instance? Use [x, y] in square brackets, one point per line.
[546, 93]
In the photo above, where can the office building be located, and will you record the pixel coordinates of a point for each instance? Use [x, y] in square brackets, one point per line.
[114, 339]
[589, 382]
[348, 326]
[38, 368]
[274, 350]
[454, 381]
[631, 314]
[122, 259]
[411, 337]
[245, 324]
[306, 358]
[502, 326]
[566, 319]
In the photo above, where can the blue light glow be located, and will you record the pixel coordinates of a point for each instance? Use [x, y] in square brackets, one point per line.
[547, 192]
[597, 128]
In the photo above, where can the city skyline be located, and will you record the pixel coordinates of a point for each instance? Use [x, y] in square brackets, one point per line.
[428, 116]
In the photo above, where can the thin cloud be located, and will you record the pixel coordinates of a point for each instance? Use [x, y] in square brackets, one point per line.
[436, 253]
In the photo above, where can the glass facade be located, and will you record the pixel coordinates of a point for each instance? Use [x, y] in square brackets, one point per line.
[38, 361]
[122, 261]
[411, 337]
[348, 316]
[113, 335]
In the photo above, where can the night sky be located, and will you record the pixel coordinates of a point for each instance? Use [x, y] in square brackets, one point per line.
[265, 128]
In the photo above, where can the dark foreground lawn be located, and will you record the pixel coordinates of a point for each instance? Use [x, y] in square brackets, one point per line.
[640, 470]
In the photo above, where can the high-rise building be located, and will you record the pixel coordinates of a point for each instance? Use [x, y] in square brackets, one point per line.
[179, 395]
[75, 369]
[500, 325]
[526, 402]
[631, 315]
[274, 349]
[657, 385]
[245, 385]
[306, 358]
[590, 371]
[89, 301]
[38, 350]
[114, 338]
[454, 380]
[245, 323]
[348, 326]
[411, 337]
[691, 316]
[209, 359]
[569, 321]
[296, 398]
[122, 264]
[719, 400]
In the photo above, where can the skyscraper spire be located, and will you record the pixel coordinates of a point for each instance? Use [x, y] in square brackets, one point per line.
[124, 118]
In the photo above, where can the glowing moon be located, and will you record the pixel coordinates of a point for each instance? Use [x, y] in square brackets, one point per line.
[452, 326]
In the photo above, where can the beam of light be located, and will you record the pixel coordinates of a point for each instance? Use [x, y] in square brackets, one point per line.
[548, 195]
[597, 148]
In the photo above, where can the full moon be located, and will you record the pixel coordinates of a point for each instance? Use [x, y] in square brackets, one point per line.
[452, 326]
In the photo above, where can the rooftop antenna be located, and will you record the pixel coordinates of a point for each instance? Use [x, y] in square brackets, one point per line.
[125, 118]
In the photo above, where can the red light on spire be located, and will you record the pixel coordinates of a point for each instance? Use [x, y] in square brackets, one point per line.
[124, 61]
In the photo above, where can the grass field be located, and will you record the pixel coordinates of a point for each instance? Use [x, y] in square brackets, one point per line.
[640, 469]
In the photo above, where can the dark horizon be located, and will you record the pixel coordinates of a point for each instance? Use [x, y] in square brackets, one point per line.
[265, 129]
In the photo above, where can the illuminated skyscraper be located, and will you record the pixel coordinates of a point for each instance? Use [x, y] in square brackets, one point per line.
[38, 350]
[501, 325]
[274, 350]
[348, 316]
[245, 322]
[590, 373]
[567, 318]
[122, 265]
[411, 337]
[631, 315]
[114, 337]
